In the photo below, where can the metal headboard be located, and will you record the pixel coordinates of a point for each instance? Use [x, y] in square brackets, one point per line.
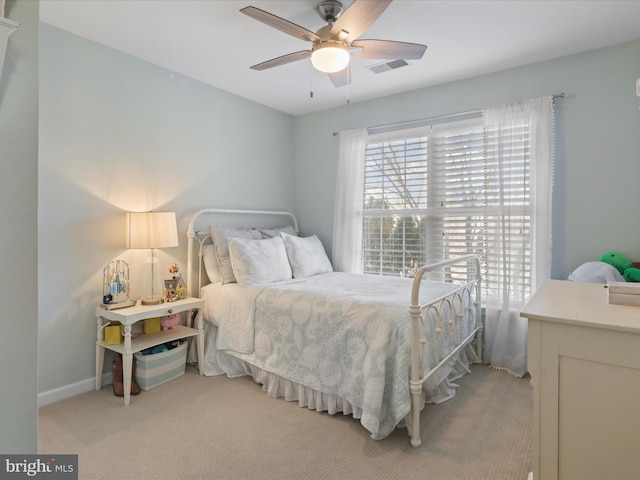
[201, 237]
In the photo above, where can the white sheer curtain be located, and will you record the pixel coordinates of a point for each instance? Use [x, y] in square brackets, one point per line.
[349, 202]
[505, 331]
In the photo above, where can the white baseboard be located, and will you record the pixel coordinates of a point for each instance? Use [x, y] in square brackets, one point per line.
[68, 391]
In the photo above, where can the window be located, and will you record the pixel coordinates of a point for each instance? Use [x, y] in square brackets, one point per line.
[438, 192]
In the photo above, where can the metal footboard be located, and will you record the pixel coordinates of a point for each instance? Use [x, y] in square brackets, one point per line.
[454, 304]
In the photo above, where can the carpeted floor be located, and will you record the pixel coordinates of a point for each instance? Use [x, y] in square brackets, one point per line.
[219, 428]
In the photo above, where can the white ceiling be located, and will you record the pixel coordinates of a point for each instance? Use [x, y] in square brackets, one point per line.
[211, 41]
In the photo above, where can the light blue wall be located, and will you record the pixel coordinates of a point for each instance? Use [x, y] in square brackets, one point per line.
[19, 234]
[596, 194]
[118, 134]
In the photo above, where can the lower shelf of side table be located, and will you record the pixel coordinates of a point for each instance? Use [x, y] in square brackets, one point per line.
[142, 342]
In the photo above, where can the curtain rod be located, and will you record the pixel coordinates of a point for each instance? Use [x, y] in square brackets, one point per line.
[432, 120]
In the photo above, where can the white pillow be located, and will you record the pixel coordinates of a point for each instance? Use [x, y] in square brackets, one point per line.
[596, 272]
[211, 263]
[220, 237]
[306, 255]
[256, 262]
[275, 232]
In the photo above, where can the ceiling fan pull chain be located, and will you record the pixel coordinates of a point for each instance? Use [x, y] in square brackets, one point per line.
[348, 84]
[311, 83]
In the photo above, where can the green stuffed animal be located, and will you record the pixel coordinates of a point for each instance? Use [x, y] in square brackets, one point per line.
[621, 262]
[616, 259]
[632, 274]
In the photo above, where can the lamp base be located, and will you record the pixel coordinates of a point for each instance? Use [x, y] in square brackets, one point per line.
[114, 306]
[152, 300]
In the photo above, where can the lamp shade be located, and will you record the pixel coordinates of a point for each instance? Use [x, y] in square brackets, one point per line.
[330, 57]
[152, 230]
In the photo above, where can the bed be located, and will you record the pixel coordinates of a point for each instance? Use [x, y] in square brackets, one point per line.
[374, 347]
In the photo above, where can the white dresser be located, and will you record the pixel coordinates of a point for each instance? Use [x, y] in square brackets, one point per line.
[584, 360]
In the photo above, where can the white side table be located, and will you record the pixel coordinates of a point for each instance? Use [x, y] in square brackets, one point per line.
[130, 315]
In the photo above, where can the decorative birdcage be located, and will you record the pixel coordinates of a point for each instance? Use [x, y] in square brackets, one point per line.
[116, 285]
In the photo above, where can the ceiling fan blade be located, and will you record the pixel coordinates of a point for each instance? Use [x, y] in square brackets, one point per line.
[358, 17]
[283, 60]
[280, 24]
[388, 49]
[341, 78]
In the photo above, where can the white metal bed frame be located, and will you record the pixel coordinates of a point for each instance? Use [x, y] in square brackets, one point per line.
[454, 304]
[418, 312]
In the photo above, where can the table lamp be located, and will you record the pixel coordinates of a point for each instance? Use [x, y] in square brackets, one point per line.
[151, 230]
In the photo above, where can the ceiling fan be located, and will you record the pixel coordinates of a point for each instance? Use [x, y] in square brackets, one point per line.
[334, 43]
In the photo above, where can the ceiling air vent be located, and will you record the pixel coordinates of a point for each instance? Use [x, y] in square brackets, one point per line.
[386, 66]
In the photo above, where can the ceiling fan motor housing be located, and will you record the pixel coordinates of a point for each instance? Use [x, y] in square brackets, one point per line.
[330, 10]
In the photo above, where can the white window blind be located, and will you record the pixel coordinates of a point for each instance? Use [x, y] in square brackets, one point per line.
[395, 188]
[431, 194]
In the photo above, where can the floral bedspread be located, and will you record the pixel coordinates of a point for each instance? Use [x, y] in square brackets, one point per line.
[341, 334]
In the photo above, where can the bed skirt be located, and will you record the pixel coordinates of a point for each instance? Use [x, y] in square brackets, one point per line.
[217, 362]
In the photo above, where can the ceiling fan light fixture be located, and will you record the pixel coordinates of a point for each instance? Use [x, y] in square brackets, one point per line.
[330, 57]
